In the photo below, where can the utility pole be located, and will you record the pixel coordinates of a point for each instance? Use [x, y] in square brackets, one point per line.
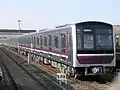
[19, 22]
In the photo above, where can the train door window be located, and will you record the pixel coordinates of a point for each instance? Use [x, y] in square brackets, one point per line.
[63, 42]
[45, 41]
[88, 41]
[56, 41]
[34, 40]
[50, 40]
[79, 38]
[24, 40]
[37, 40]
[28, 40]
[41, 40]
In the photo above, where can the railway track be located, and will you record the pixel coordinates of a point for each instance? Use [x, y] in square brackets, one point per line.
[22, 77]
[38, 75]
[8, 80]
[78, 84]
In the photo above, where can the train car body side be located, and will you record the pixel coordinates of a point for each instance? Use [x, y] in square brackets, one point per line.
[86, 48]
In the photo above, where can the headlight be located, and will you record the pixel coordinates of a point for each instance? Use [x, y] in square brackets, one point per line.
[95, 70]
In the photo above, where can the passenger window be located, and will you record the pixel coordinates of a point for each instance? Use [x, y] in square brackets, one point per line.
[70, 40]
[37, 40]
[34, 40]
[41, 40]
[50, 40]
[63, 41]
[28, 40]
[45, 41]
[56, 41]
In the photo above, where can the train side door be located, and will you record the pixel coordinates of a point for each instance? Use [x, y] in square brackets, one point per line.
[70, 49]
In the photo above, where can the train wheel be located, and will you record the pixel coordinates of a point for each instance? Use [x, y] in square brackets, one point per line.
[49, 61]
[46, 61]
[41, 59]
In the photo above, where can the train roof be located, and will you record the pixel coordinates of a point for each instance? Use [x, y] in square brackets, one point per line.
[56, 28]
[66, 26]
[93, 22]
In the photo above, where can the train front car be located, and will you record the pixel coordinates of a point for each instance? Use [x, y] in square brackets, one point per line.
[95, 48]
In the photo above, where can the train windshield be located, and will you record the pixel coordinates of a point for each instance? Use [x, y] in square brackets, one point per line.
[103, 41]
[88, 41]
[103, 38]
[95, 39]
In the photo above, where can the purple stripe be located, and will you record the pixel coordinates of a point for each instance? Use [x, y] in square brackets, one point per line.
[47, 50]
[95, 59]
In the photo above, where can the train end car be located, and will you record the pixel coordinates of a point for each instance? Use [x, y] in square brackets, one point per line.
[94, 50]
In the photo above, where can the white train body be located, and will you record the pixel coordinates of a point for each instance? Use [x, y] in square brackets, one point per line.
[86, 47]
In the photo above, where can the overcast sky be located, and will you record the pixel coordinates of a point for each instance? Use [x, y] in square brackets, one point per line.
[39, 14]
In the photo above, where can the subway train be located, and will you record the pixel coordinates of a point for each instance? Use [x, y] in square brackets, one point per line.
[84, 48]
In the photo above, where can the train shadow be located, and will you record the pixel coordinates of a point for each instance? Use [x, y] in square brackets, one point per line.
[97, 78]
